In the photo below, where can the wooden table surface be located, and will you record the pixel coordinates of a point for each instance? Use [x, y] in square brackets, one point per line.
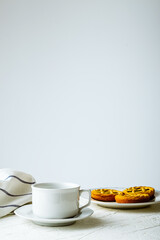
[114, 224]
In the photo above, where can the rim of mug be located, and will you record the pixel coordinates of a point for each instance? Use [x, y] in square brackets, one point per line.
[45, 186]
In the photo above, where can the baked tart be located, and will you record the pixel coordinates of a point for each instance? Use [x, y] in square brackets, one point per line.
[106, 195]
[140, 190]
[132, 198]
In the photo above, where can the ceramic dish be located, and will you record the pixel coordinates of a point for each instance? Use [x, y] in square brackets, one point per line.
[127, 205]
[26, 213]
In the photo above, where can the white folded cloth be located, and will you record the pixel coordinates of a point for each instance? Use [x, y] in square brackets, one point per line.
[15, 190]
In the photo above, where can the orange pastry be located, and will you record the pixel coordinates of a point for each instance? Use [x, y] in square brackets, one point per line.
[106, 195]
[132, 198]
[141, 189]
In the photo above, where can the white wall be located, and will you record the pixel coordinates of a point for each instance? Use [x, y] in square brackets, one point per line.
[80, 90]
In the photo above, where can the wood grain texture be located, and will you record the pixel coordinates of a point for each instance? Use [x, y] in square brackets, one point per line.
[141, 224]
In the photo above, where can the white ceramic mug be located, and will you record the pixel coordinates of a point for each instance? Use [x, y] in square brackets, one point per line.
[57, 200]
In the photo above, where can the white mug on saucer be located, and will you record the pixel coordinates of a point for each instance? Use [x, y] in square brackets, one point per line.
[57, 200]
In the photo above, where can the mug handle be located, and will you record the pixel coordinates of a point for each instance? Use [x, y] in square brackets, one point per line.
[89, 198]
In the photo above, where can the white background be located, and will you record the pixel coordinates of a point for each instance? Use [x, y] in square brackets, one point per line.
[80, 90]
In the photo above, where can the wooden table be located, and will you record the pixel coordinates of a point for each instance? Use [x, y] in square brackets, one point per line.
[113, 224]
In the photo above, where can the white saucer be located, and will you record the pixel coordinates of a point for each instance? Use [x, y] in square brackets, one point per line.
[128, 205]
[26, 213]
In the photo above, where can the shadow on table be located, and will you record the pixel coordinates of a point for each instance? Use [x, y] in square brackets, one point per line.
[146, 210]
[89, 223]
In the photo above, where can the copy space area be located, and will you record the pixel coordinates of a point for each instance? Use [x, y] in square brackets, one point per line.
[80, 90]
